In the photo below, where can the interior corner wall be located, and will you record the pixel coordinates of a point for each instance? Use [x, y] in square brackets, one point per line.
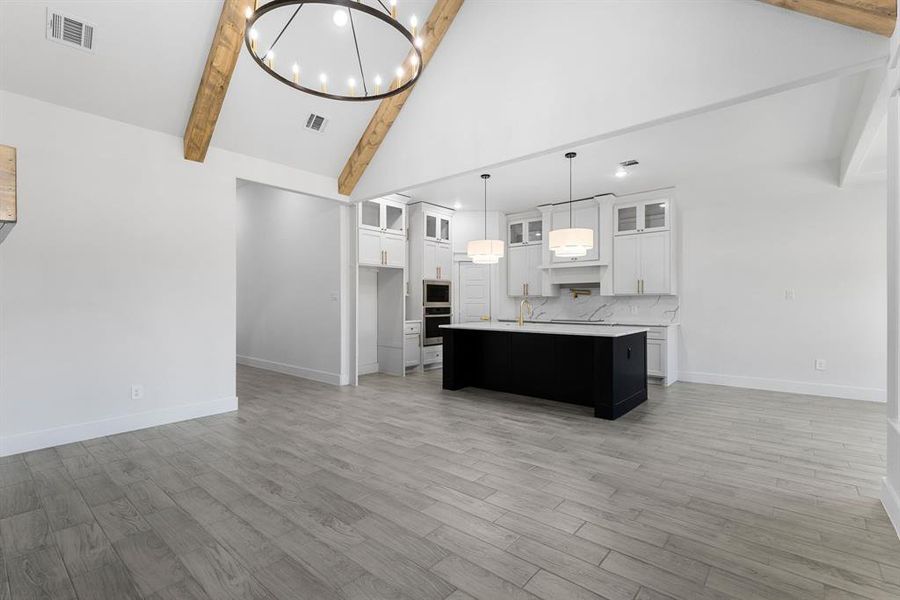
[289, 282]
[120, 271]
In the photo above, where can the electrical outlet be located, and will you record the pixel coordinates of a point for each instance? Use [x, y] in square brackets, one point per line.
[634, 309]
[137, 391]
[820, 364]
[789, 295]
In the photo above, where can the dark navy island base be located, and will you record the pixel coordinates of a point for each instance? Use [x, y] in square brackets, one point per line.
[607, 373]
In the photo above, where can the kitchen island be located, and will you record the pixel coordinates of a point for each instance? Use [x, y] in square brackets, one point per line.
[601, 367]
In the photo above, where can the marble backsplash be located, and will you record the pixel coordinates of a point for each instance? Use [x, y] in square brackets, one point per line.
[653, 309]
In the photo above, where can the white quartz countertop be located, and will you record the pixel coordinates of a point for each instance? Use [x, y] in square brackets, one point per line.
[636, 322]
[639, 321]
[551, 328]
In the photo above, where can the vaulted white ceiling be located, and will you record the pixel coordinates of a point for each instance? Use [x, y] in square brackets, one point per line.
[513, 80]
[149, 55]
[798, 126]
[510, 81]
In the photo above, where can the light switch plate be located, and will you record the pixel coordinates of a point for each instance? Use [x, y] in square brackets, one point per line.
[820, 364]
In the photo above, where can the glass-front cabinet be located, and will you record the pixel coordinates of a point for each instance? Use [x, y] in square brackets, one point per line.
[383, 215]
[437, 227]
[640, 217]
[524, 232]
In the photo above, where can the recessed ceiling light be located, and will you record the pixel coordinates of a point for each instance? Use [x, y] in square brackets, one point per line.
[340, 17]
[622, 169]
[457, 205]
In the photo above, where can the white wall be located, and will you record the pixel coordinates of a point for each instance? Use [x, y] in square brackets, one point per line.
[289, 282]
[368, 321]
[121, 270]
[559, 84]
[749, 237]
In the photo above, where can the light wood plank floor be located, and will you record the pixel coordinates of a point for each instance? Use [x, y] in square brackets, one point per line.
[399, 490]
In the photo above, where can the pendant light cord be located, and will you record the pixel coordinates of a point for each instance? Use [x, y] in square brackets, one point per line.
[485, 208]
[570, 192]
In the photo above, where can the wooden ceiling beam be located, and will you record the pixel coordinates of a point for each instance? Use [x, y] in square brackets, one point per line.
[432, 33]
[223, 56]
[7, 184]
[8, 207]
[876, 16]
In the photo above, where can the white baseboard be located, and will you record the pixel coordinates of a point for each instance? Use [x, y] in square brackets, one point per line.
[369, 368]
[786, 385]
[68, 434]
[269, 365]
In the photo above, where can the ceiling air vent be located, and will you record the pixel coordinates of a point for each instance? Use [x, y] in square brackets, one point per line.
[316, 123]
[70, 31]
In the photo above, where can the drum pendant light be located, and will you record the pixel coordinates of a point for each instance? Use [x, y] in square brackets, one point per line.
[485, 252]
[574, 241]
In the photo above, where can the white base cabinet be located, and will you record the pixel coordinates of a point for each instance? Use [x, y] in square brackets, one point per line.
[662, 354]
[412, 343]
[433, 355]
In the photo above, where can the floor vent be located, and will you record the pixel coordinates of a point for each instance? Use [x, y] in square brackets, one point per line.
[70, 31]
[316, 123]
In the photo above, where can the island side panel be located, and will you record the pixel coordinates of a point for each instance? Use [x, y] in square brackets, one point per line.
[629, 374]
[454, 366]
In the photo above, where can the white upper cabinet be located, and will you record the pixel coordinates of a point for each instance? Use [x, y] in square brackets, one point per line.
[370, 252]
[643, 248]
[584, 214]
[444, 261]
[383, 215]
[437, 260]
[523, 273]
[642, 264]
[656, 262]
[437, 227]
[394, 251]
[627, 266]
[526, 232]
[640, 217]
[380, 250]
[382, 233]
[655, 216]
[524, 255]
[626, 219]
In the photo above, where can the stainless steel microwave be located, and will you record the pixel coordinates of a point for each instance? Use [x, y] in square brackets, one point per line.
[436, 293]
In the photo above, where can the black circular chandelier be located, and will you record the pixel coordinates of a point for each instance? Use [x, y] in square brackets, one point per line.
[404, 77]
